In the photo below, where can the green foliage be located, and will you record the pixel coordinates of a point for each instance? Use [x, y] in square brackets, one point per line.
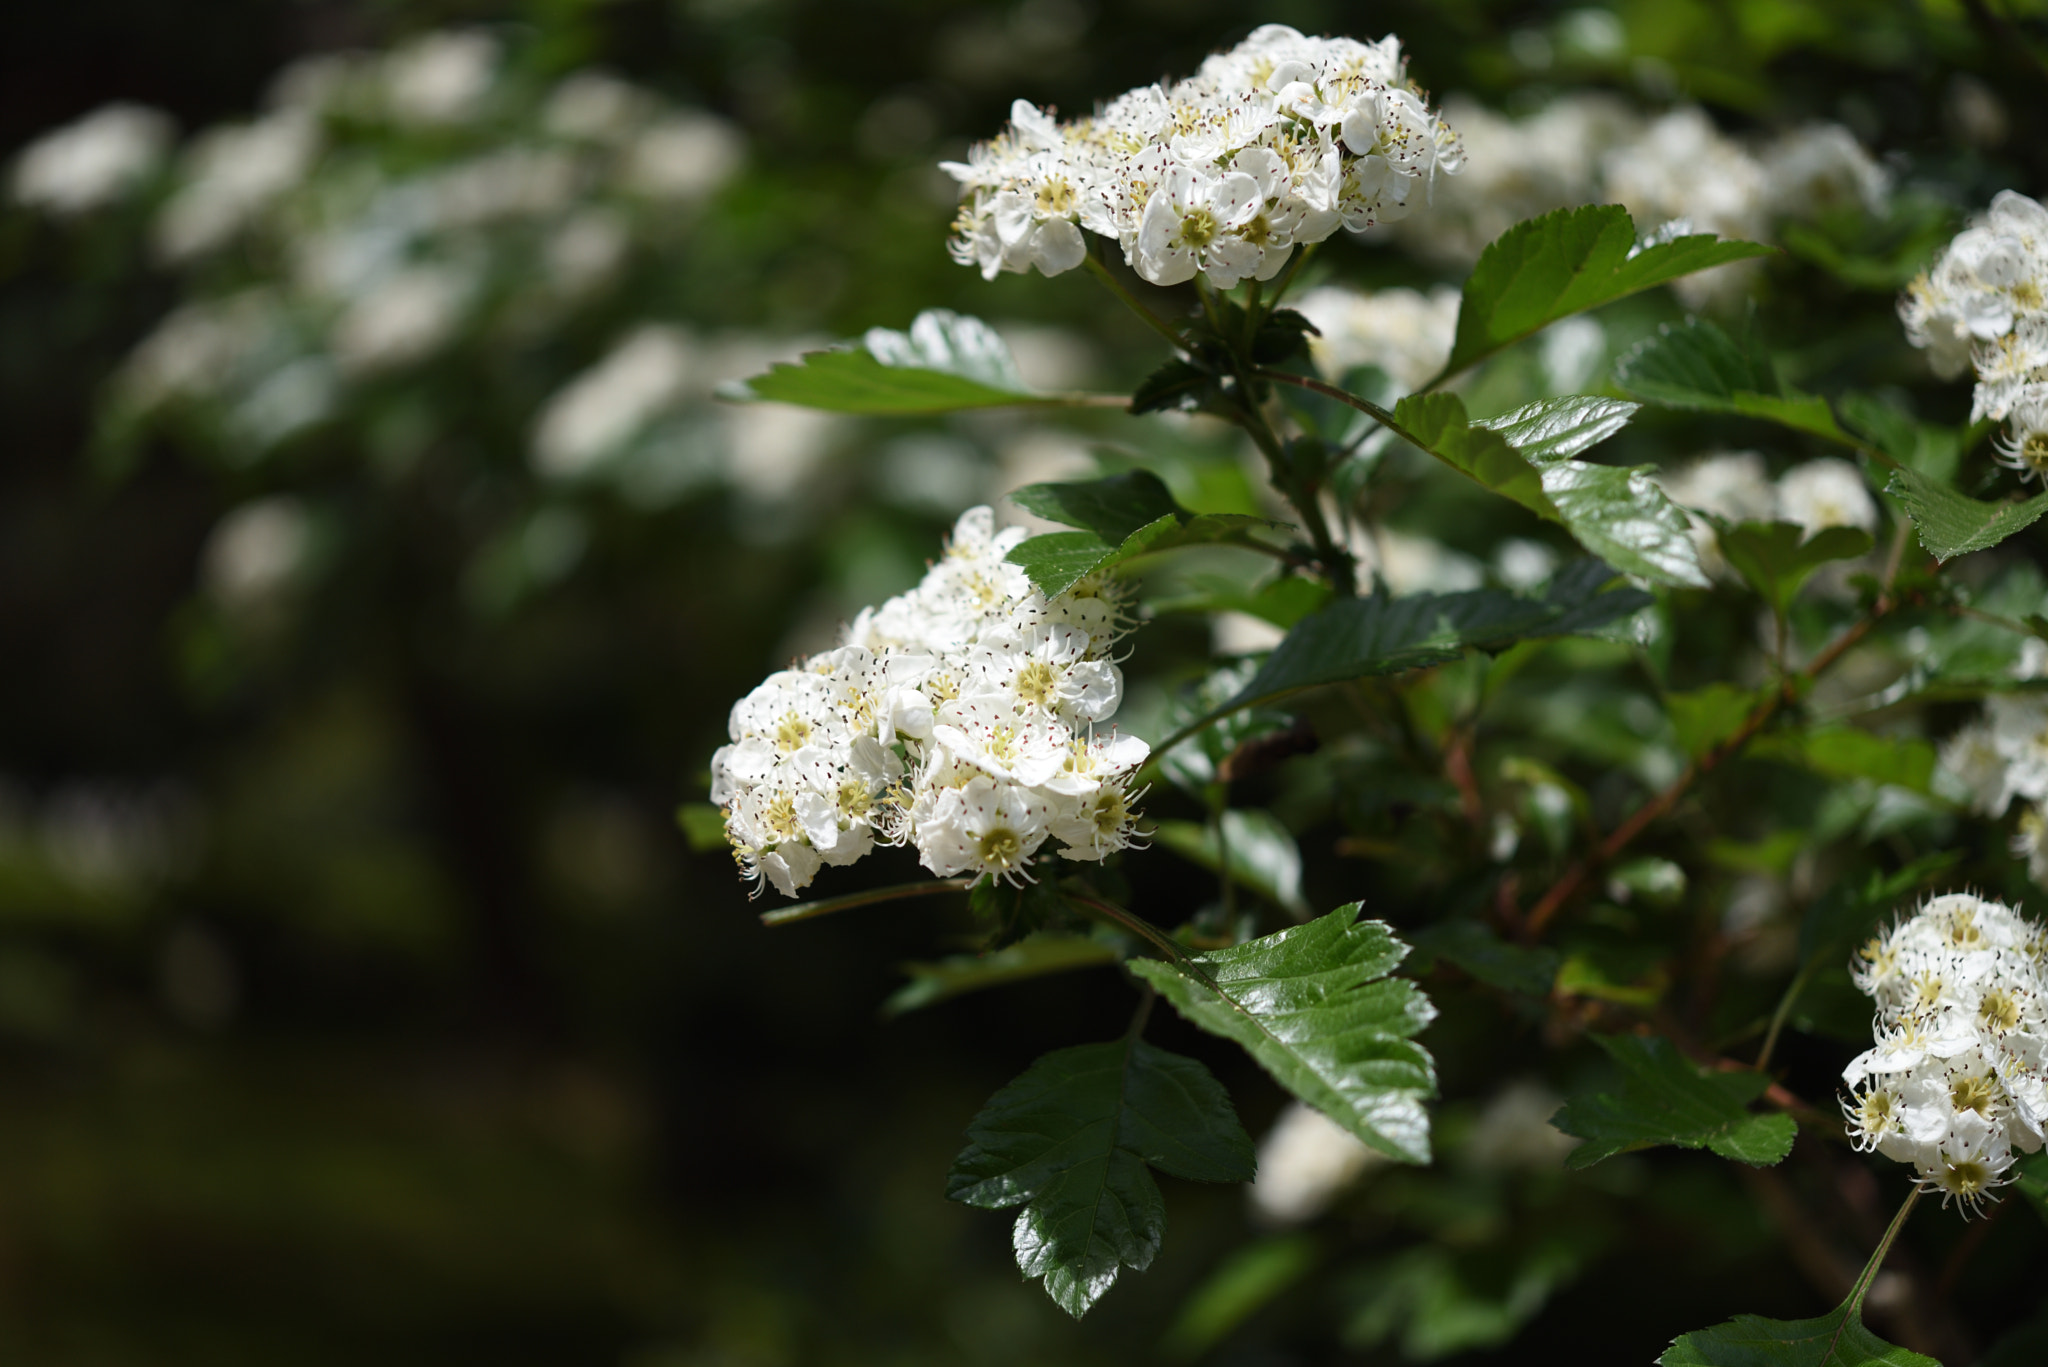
[1777, 558]
[1357, 638]
[1262, 853]
[1315, 1007]
[1564, 263]
[1952, 524]
[1122, 516]
[1663, 1099]
[945, 362]
[1034, 956]
[1528, 970]
[1248, 1280]
[1708, 715]
[1071, 1140]
[1441, 1301]
[1836, 1339]
[1618, 514]
[1845, 752]
[1695, 365]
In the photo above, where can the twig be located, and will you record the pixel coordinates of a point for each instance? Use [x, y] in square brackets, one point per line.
[804, 911]
[1137, 306]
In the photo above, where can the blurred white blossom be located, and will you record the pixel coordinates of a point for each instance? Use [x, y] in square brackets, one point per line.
[93, 161]
[1306, 1161]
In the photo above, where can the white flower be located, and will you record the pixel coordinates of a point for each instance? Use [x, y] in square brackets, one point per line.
[1993, 274]
[2030, 842]
[1971, 769]
[1277, 142]
[1306, 1161]
[2025, 444]
[1822, 167]
[92, 161]
[441, 78]
[1406, 333]
[1954, 1083]
[601, 410]
[985, 826]
[231, 175]
[2019, 732]
[1826, 493]
[407, 316]
[682, 157]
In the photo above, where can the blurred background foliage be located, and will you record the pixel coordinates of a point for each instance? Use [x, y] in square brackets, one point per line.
[376, 571]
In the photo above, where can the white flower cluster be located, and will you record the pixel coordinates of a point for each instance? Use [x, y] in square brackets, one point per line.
[1735, 485]
[960, 717]
[1985, 302]
[1956, 1079]
[1281, 140]
[1594, 149]
[2003, 755]
[92, 162]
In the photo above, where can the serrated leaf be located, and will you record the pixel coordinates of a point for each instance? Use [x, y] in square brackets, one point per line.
[1356, 638]
[1035, 956]
[1122, 516]
[1707, 716]
[1952, 524]
[1315, 1007]
[1263, 854]
[1619, 514]
[1524, 969]
[1836, 1339]
[1567, 262]
[1845, 752]
[1071, 1140]
[946, 361]
[1552, 429]
[1695, 365]
[1776, 558]
[1664, 1099]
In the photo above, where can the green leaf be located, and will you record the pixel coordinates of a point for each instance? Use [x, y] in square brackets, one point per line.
[1776, 558]
[1619, 514]
[702, 825]
[1696, 365]
[1123, 517]
[1928, 450]
[1356, 638]
[1845, 752]
[947, 361]
[1071, 1139]
[1952, 524]
[1247, 1280]
[1263, 854]
[1836, 1339]
[1012, 913]
[1173, 387]
[1552, 429]
[1035, 956]
[1707, 716]
[1283, 601]
[1453, 1300]
[1523, 969]
[1663, 1099]
[1567, 262]
[1315, 1007]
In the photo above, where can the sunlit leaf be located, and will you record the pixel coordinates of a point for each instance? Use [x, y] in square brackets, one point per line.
[1315, 1007]
[1696, 365]
[1552, 429]
[1845, 752]
[1952, 524]
[1836, 1339]
[946, 361]
[1664, 1099]
[1071, 1139]
[1122, 517]
[1567, 262]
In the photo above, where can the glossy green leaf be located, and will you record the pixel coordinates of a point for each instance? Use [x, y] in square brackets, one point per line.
[1845, 752]
[1528, 970]
[1567, 262]
[1664, 1099]
[1263, 854]
[1553, 429]
[1356, 638]
[1836, 1339]
[946, 361]
[1776, 558]
[1035, 956]
[1708, 715]
[1952, 524]
[1121, 517]
[1071, 1139]
[1315, 1007]
[1695, 365]
[1619, 514]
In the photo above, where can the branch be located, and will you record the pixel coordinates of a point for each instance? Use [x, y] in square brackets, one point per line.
[804, 911]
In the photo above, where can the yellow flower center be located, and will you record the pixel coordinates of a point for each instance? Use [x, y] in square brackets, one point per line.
[791, 732]
[781, 817]
[1038, 685]
[1056, 196]
[1000, 848]
[1973, 1094]
[1198, 229]
[1999, 1010]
